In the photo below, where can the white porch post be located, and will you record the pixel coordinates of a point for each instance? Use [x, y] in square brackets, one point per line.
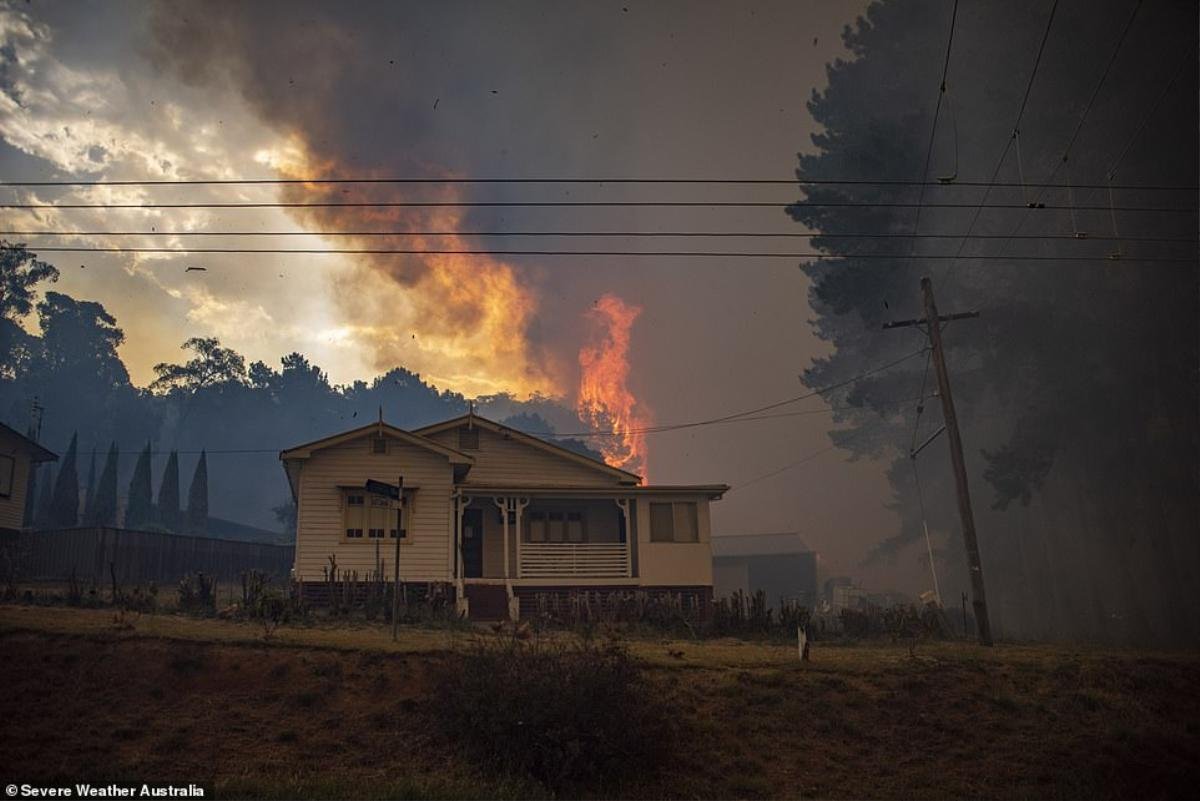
[519, 505]
[623, 505]
[507, 504]
[461, 502]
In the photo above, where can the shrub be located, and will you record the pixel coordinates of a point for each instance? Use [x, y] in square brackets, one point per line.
[560, 714]
[197, 594]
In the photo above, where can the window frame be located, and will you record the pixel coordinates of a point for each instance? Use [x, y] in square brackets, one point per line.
[550, 517]
[388, 532]
[678, 510]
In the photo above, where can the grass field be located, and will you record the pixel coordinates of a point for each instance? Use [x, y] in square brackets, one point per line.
[345, 712]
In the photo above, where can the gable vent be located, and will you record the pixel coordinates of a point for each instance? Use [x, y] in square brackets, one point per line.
[378, 445]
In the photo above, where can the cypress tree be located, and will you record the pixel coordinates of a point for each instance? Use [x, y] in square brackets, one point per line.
[103, 511]
[45, 503]
[64, 506]
[197, 508]
[29, 518]
[168, 494]
[139, 512]
[89, 497]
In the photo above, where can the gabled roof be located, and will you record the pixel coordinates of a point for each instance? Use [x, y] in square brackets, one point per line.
[306, 450]
[36, 452]
[529, 439]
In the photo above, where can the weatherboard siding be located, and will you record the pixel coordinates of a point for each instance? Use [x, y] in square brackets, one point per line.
[502, 460]
[12, 508]
[424, 553]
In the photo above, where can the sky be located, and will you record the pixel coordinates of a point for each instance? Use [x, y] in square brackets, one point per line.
[623, 89]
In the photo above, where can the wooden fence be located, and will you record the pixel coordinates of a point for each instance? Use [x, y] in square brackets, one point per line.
[139, 556]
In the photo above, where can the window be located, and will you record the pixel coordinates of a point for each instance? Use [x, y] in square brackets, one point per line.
[555, 526]
[378, 445]
[355, 516]
[674, 522]
[8, 466]
[574, 527]
[468, 438]
[537, 526]
[372, 517]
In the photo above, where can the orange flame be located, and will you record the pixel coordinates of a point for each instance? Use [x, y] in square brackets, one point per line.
[460, 320]
[604, 399]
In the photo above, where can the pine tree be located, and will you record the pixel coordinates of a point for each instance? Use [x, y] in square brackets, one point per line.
[168, 495]
[45, 503]
[89, 497]
[64, 506]
[103, 511]
[197, 508]
[139, 513]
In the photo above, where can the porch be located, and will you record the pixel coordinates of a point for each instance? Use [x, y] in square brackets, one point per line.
[540, 535]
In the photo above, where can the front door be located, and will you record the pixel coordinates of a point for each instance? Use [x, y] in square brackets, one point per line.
[472, 544]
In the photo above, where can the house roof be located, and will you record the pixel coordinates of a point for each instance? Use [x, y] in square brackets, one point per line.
[713, 491]
[529, 439]
[758, 544]
[36, 452]
[306, 450]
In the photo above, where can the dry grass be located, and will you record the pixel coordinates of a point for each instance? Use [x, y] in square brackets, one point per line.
[344, 712]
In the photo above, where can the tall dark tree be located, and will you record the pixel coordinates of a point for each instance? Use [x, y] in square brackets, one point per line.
[103, 511]
[197, 508]
[168, 495]
[139, 509]
[89, 496]
[64, 508]
[44, 514]
[212, 365]
[20, 272]
[29, 518]
[1085, 439]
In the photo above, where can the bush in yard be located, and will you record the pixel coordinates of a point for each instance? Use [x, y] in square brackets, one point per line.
[564, 715]
[197, 594]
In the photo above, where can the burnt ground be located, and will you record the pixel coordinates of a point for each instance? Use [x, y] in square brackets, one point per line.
[288, 720]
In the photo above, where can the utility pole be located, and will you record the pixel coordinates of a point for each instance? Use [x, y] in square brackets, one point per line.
[396, 560]
[933, 325]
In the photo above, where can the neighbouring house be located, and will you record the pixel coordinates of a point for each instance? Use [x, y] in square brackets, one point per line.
[17, 454]
[501, 519]
[780, 565]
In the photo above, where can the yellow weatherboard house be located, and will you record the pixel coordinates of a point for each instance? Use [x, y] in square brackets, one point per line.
[495, 516]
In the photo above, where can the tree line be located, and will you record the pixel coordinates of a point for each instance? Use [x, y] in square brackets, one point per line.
[240, 414]
[57, 500]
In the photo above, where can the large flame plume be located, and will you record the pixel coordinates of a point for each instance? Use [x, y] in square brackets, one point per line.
[604, 399]
[461, 320]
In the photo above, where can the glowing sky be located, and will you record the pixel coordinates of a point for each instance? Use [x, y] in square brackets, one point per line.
[190, 90]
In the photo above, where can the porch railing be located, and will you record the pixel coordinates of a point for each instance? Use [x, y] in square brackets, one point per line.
[577, 559]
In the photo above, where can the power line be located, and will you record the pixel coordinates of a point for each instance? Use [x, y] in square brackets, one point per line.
[1145, 118]
[615, 234]
[737, 417]
[1083, 118]
[786, 467]
[321, 181]
[591, 253]
[421, 204]
[937, 110]
[1008, 144]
